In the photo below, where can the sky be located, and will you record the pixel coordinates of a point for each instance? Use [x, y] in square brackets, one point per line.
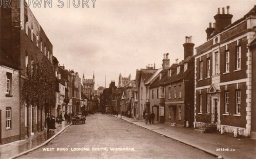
[121, 36]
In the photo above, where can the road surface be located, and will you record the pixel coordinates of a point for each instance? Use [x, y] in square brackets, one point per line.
[105, 136]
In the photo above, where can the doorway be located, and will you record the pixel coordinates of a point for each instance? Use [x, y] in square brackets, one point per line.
[215, 110]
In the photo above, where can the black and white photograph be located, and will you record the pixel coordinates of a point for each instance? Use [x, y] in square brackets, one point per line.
[127, 79]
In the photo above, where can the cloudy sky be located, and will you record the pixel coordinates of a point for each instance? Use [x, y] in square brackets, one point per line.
[122, 36]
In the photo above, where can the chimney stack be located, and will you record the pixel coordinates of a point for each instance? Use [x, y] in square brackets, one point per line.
[166, 61]
[188, 47]
[210, 30]
[222, 20]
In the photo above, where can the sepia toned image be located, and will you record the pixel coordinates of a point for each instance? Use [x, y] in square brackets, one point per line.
[130, 79]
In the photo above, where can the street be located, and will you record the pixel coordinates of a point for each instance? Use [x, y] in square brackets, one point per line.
[105, 136]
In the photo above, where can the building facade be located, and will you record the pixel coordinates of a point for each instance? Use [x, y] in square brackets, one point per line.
[179, 86]
[122, 81]
[9, 100]
[142, 76]
[28, 45]
[223, 75]
[88, 87]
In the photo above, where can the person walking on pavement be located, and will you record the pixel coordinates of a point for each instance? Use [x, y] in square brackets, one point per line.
[146, 117]
[152, 117]
[48, 122]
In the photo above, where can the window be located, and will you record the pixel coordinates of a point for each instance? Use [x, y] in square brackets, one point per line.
[9, 83]
[8, 118]
[208, 67]
[26, 61]
[157, 93]
[226, 102]
[216, 63]
[169, 92]
[175, 95]
[200, 103]
[238, 57]
[178, 69]
[152, 94]
[208, 99]
[32, 35]
[180, 91]
[185, 67]
[41, 46]
[162, 92]
[37, 40]
[26, 27]
[227, 61]
[238, 101]
[45, 51]
[179, 113]
[201, 70]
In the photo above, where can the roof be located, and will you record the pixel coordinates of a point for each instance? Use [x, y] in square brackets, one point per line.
[144, 74]
[157, 82]
[166, 79]
[153, 77]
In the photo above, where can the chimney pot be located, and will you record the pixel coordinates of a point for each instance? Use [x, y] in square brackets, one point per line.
[228, 9]
[210, 25]
[223, 10]
[214, 25]
[218, 10]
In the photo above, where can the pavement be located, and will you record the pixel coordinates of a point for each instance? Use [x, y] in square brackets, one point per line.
[221, 146]
[17, 148]
[106, 137]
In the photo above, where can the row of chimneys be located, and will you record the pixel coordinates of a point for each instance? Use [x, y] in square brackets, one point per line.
[222, 20]
[188, 51]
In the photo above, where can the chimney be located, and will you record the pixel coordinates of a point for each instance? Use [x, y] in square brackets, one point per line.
[209, 31]
[166, 61]
[222, 20]
[188, 47]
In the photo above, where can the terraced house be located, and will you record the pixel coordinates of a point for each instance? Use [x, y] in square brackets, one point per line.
[223, 75]
[179, 86]
[29, 47]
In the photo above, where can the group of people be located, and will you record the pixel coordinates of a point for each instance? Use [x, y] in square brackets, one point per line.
[149, 117]
[50, 120]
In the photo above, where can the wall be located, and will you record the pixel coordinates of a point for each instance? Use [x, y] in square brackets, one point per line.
[13, 102]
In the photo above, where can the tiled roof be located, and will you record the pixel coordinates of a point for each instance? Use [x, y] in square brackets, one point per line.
[166, 79]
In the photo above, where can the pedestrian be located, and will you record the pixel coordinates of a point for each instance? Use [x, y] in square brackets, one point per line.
[146, 117]
[153, 117]
[48, 122]
[150, 118]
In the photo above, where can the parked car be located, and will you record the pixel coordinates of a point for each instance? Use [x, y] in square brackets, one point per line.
[77, 119]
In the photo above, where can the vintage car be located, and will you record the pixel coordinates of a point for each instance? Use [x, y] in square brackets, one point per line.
[78, 119]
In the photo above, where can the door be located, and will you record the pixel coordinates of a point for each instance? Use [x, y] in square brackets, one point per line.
[155, 110]
[215, 111]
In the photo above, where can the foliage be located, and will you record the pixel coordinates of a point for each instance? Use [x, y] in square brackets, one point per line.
[39, 86]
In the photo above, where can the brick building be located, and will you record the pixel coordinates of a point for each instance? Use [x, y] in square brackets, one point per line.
[9, 99]
[179, 89]
[155, 92]
[27, 44]
[223, 75]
